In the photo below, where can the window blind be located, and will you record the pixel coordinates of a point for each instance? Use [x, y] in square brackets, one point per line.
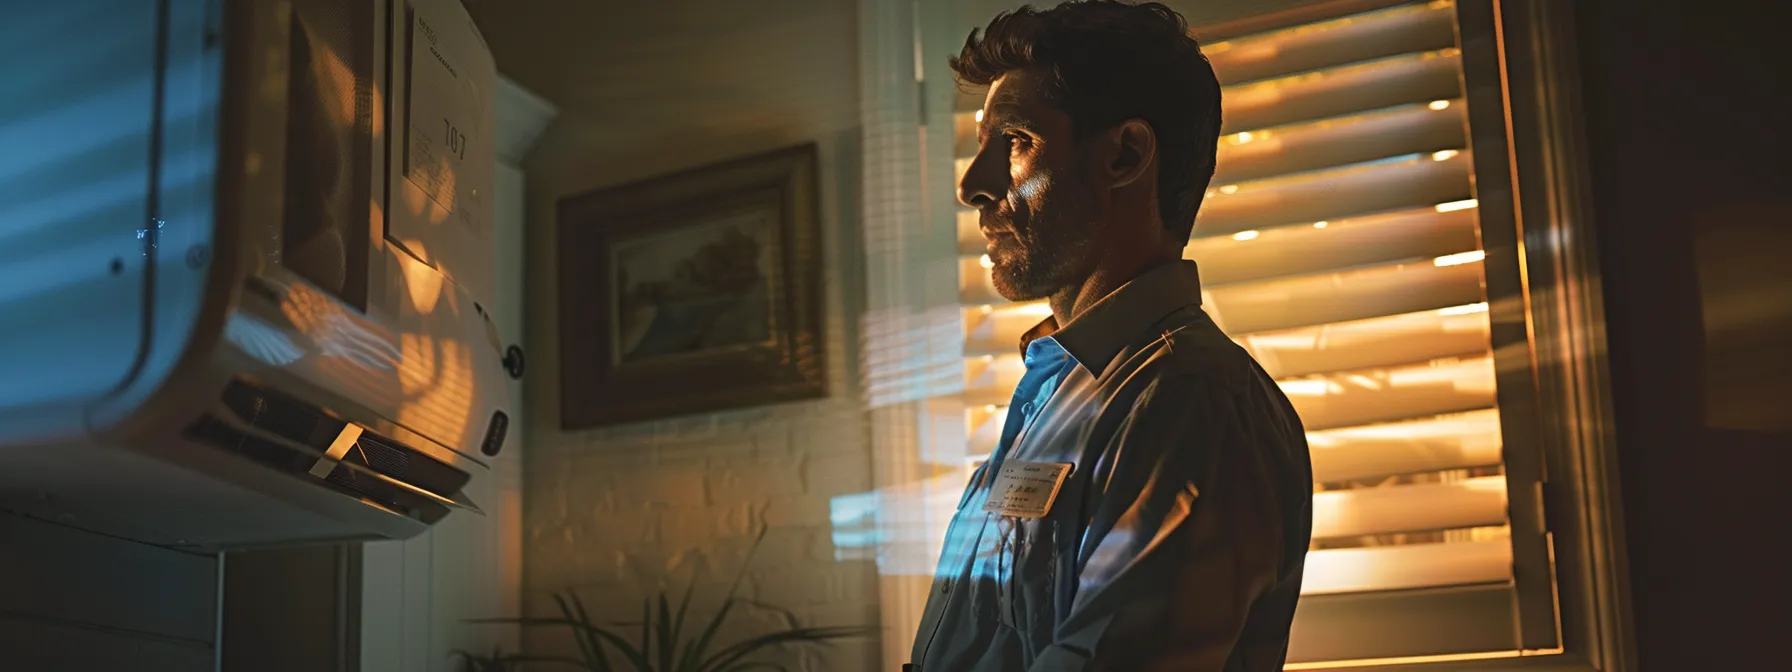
[1340, 244]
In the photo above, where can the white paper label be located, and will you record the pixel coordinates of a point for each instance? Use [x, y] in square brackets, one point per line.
[1026, 489]
[447, 125]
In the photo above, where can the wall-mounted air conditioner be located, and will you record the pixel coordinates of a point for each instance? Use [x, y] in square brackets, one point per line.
[245, 283]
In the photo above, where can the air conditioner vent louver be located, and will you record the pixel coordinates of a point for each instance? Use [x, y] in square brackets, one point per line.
[309, 426]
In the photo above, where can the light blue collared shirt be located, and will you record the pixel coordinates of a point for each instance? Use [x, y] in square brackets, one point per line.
[1179, 537]
[1047, 362]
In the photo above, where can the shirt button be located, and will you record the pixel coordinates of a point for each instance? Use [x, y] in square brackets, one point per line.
[1027, 408]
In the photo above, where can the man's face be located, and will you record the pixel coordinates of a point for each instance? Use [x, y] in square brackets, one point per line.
[1038, 206]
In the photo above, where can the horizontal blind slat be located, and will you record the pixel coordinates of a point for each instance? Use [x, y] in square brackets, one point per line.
[1454, 441]
[1336, 193]
[1397, 393]
[1375, 342]
[1398, 80]
[1348, 39]
[1342, 296]
[1383, 568]
[1474, 502]
[1334, 244]
[1408, 129]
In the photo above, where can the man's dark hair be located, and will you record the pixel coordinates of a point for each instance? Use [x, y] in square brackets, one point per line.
[1112, 61]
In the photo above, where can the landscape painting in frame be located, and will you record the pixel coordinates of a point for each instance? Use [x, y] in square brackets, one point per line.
[698, 288]
[692, 292]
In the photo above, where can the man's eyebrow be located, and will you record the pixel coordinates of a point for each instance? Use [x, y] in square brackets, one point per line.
[997, 121]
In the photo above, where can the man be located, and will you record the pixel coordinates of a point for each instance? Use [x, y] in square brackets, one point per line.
[1149, 504]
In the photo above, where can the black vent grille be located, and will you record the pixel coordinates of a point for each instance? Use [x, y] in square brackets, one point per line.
[308, 425]
[385, 459]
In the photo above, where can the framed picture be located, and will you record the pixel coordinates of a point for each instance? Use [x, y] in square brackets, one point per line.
[693, 292]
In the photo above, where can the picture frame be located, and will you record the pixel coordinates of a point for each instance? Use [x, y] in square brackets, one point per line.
[693, 292]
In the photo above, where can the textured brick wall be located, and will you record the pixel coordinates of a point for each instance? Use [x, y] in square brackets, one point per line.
[614, 513]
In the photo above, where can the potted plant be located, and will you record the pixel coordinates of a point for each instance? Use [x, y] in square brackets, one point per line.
[663, 643]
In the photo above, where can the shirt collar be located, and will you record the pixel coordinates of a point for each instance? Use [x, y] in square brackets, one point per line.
[1102, 330]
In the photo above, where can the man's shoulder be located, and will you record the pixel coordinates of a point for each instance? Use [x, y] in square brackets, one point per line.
[1187, 343]
[1193, 360]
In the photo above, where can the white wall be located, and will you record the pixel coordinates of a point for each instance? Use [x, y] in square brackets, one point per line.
[419, 593]
[615, 512]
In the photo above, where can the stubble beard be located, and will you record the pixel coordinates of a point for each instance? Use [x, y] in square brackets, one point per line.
[1043, 260]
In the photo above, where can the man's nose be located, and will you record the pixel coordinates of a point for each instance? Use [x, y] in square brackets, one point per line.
[985, 181]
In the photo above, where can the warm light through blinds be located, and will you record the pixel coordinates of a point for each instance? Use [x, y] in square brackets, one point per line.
[1339, 243]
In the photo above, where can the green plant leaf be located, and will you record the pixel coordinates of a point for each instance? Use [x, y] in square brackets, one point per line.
[623, 647]
[635, 657]
[686, 660]
[646, 626]
[567, 619]
[701, 648]
[666, 635]
[733, 654]
[790, 619]
[595, 658]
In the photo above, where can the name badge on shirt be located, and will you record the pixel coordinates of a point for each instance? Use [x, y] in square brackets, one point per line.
[1026, 489]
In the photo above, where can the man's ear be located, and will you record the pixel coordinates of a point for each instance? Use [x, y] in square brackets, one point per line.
[1132, 146]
